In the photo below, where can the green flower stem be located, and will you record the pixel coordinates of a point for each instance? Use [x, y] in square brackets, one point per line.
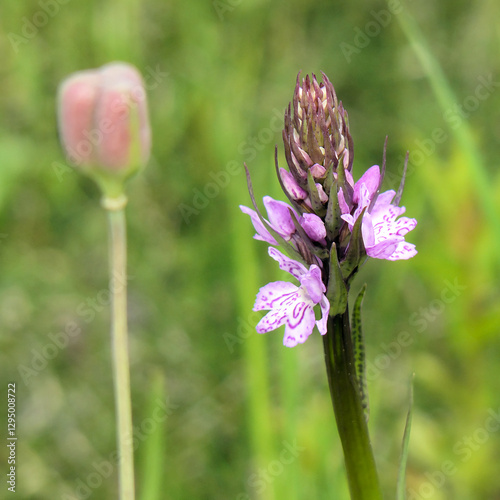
[359, 461]
[119, 343]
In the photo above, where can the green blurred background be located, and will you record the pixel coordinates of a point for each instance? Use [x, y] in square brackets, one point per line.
[221, 412]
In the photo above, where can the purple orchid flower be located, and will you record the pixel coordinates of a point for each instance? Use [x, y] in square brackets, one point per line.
[280, 220]
[291, 305]
[383, 233]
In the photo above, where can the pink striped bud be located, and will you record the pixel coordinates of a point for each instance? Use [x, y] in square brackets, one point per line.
[291, 186]
[103, 121]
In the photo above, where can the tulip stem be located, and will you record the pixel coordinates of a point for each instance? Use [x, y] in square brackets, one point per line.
[351, 424]
[119, 345]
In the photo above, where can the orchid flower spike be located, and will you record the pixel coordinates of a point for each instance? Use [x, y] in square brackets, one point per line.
[332, 223]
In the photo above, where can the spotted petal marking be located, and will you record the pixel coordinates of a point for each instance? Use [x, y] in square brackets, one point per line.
[296, 269]
[383, 233]
[300, 325]
[291, 305]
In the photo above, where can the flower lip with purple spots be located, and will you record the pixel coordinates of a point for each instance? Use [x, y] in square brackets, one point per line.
[291, 305]
[383, 233]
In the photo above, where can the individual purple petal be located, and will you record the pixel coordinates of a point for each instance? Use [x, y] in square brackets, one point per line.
[390, 214]
[313, 284]
[363, 202]
[349, 219]
[262, 233]
[403, 226]
[403, 251]
[299, 325]
[364, 198]
[306, 156]
[279, 216]
[367, 231]
[272, 320]
[274, 295]
[301, 313]
[383, 200]
[383, 249]
[282, 307]
[349, 179]
[292, 186]
[289, 339]
[371, 179]
[344, 207]
[313, 226]
[317, 170]
[307, 203]
[323, 197]
[325, 309]
[291, 266]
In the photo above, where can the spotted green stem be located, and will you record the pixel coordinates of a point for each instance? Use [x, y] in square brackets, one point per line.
[351, 424]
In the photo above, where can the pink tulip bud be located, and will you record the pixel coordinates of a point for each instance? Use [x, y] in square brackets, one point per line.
[103, 120]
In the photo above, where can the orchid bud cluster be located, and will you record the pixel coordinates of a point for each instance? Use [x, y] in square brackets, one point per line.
[332, 223]
[316, 139]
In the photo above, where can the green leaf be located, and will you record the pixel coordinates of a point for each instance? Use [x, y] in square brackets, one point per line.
[401, 487]
[329, 179]
[359, 351]
[337, 291]
[341, 179]
[464, 135]
[333, 222]
[355, 251]
[317, 205]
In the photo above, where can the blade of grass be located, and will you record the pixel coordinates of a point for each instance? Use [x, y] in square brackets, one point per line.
[401, 487]
[254, 351]
[462, 133]
[152, 463]
[289, 483]
[245, 265]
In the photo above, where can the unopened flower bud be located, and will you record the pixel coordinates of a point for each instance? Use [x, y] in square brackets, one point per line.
[291, 186]
[317, 142]
[103, 123]
[318, 171]
[321, 193]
